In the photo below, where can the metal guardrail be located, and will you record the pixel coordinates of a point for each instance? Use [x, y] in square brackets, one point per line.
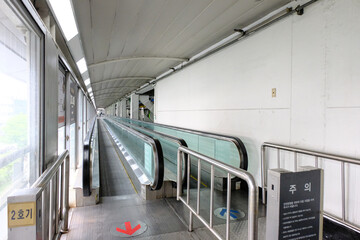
[50, 179]
[316, 155]
[240, 173]
[157, 153]
[235, 140]
[86, 168]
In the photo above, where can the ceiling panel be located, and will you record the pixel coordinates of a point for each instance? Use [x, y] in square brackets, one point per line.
[116, 34]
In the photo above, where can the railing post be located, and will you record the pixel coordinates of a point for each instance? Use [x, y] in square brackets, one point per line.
[278, 158]
[198, 187]
[179, 173]
[252, 208]
[263, 173]
[343, 216]
[228, 204]
[65, 226]
[188, 192]
[57, 203]
[231, 171]
[51, 208]
[62, 192]
[211, 195]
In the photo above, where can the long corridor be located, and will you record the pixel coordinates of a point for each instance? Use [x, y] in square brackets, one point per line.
[120, 203]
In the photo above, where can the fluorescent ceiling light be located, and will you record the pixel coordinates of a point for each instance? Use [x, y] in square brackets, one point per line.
[87, 82]
[82, 65]
[90, 90]
[65, 16]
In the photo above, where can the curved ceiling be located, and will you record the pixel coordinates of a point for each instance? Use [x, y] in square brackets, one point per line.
[127, 43]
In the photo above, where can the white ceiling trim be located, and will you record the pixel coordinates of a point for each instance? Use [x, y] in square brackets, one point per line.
[120, 79]
[109, 94]
[176, 59]
[113, 88]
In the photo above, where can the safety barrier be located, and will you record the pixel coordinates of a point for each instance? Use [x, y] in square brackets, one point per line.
[41, 212]
[240, 173]
[316, 156]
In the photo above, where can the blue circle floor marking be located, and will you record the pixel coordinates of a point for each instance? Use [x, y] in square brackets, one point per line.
[235, 214]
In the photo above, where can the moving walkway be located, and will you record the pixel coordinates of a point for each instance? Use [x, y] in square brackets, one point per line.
[227, 149]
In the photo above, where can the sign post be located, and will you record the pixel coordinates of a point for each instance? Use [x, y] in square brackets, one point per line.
[24, 214]
[295, 204]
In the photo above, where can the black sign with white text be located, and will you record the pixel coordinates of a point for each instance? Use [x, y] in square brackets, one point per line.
[300, 209]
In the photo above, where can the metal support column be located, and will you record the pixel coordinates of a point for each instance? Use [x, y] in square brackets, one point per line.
[122, 108]
[134, 106]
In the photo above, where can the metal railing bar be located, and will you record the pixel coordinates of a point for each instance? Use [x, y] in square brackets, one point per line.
[198, 187]
[343, 191]
[228, 202]
[252, 189]
[50, 172]
[341, 222]
[188, 181]
[211, 194]
[65, 209]
[57, 203]
[263, 170]
[301, 151]
[53, 185]
[314, 153]
[192, 211]
[317, 155]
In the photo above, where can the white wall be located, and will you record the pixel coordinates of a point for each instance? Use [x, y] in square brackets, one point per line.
[314, 63]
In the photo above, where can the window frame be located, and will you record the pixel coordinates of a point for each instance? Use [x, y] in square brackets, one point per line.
[24, 10]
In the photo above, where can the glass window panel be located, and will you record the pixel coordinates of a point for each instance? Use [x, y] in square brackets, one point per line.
[61, 109]
[61, 139]
[80, 131]
[72, 146]
[19, 106]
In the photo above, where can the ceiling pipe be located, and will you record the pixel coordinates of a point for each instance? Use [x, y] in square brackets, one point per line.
[239, 34]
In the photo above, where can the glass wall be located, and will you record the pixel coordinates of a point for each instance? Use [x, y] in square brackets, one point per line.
[61, 109]
[72, 112]
[20, 47]
[80, 128]
[84, 110]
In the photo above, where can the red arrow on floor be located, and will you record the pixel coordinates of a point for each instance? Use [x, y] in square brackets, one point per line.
[129, 231]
